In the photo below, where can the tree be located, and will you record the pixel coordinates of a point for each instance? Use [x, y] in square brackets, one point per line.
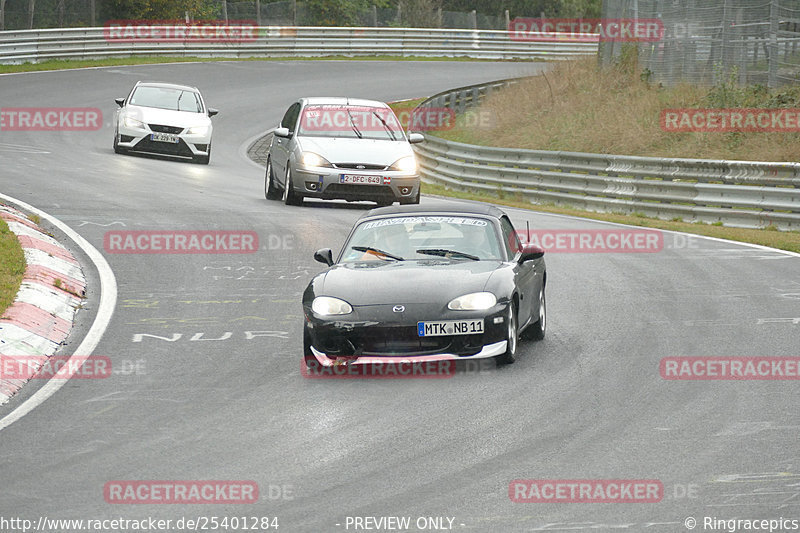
[339, 12]
[161, 9]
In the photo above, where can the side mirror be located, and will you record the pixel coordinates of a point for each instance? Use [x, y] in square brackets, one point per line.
[212, 111]
[325, 255]
[531, 252]
[282, 132]
[415, 138]
[120, 101]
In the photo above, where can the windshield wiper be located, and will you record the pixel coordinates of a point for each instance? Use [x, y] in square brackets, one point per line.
[377, 252]
[447, 253]
[178, 104]
[385, 125]
[353, 125]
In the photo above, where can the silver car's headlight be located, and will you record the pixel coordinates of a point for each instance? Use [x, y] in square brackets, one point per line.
[327, 306]
[406, 164]
[310, 159]
[198, 130]
[477, 301]
[131, 122]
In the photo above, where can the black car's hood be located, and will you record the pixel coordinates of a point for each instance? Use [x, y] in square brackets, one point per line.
[405, 282]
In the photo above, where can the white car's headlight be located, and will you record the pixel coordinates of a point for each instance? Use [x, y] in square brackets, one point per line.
[327, 305]
[131, 122]
[310, 159]
[406, 164]
[477, 301]
[198, 130]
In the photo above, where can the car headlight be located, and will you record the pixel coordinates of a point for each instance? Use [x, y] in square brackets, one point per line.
[310, 159]
[406, 164]
[198, 130]
[327, 305]
[131, 122]
[477, 301]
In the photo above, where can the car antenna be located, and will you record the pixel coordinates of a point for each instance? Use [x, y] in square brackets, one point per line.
[527, 231]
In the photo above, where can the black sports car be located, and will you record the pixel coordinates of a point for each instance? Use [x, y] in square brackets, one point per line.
[425, 283]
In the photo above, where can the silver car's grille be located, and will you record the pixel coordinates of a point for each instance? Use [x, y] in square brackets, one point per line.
[165, 129]
[359, 166]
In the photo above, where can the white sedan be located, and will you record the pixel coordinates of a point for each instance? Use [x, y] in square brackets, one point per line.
[164, 119]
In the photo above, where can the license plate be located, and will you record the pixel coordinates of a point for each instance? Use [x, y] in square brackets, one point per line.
[361, 180]
[164, 137]
[441, 328]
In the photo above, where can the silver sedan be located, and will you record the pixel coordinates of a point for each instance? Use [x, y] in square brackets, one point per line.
[342, 148]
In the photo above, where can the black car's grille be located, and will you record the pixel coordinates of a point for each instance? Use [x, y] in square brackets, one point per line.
[165, 129]
[359, 166]
[179, 148]
[358, 192]
[401, 340]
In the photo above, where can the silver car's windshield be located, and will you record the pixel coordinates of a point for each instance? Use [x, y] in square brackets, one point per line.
[167, 98]
[350, 121]
[423, 237]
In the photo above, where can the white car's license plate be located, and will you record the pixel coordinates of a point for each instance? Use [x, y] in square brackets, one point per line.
[164, 137]
[441, 328]
[363, 180]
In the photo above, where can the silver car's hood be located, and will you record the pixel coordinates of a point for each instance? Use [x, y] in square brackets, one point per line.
[166, 117]
[368, 151]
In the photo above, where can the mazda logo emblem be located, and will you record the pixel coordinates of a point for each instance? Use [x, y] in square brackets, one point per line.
[399, 308]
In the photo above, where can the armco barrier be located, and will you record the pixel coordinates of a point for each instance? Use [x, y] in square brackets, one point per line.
[736, 193]
[283, 41]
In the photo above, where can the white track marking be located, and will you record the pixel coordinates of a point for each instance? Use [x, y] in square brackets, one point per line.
[108, 301]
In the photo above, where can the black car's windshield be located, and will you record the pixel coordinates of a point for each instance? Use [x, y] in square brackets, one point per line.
[424, 238]
[350, 121]
[167, 98]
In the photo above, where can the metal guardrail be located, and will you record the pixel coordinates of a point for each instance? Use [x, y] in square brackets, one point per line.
[736, 193]
[281, 41]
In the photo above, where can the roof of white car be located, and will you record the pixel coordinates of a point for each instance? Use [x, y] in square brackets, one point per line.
[339, 100]
[166, 85]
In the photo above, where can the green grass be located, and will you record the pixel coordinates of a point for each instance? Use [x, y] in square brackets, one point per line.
[152, 60]
[12, 266]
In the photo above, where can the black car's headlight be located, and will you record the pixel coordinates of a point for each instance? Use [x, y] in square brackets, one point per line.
[476, 301]
[329, 306]
[310, 159]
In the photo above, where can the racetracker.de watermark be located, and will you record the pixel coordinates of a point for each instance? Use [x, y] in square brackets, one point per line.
[728, 120]
[180, 242]
[180, 492]
[50, 119]
[586, 30]
[379, 370]
[26, 367]
[596, 241]
[730, 368]
[585, 491]
[170, 31]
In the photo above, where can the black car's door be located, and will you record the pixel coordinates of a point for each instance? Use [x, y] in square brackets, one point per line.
[528, 276]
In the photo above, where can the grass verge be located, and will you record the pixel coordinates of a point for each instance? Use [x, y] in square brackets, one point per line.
[12, 266]
[152, 60]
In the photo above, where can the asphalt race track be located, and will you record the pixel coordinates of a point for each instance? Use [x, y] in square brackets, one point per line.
[207, 347]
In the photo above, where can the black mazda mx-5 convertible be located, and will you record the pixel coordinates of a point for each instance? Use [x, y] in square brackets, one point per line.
[437, 281]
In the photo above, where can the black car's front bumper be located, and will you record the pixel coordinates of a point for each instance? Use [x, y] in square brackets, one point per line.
[377, 334]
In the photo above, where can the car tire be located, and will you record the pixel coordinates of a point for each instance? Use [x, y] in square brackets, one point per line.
[512, 337]
[407, 201]
[203, 159]
[117, 148]
[536, 330]
[289, 196]
[309, 360]
[271, 192]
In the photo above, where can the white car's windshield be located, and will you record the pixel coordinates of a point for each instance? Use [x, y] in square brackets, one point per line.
[167, 98]
[355, 122]
[423, 237]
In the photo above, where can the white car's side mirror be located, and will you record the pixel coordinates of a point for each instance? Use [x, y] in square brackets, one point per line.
[415, 138]
[282, 132]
